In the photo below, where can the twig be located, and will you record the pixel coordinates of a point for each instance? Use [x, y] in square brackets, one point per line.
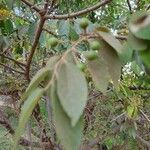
[31, 5]
[95, 96]
[119, 116]
[46, 4]
[79, 13]
[52, 3]
[49, 32]
[129, 5]
[35, 43]
[11, 68]
[15, 61]
[145, 116]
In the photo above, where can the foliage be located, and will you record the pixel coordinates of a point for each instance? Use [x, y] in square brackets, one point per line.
[67, 58]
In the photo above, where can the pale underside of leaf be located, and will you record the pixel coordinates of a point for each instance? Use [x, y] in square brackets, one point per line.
[127, 53]
[52, 61]
[135, 43]
[70, 137]
[72, 90]
[145, 55]
[140, 25]
[111, 40]
[100, 75]
[113, 62]
[26, 112]
[36, 80]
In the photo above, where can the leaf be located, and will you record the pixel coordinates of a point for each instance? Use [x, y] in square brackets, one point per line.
[26, 112]
[6, 27]
[132, 111]
[113, 62]
[132, 132]
[72, 91]
[69, 136]
[52, 61]
[79, 30]
[42, 40]
[9, 3]
[31, 31]
[100, 74]
[135, 67]
[145, 55]
[63, 28]
[111, 40]
[140, 25]
[127, 53]
[73, 34]
[70, 58]
[135, 43]
[36, 80]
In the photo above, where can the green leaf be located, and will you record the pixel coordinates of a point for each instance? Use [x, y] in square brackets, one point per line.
[73, 34]
[100, 75]
[26, 112]
[127, 53]
[145, 55]
[70, 57]
[135, 67]
[42, 40]
[135, 43]
[6, 27]
[113, 62]
[31, 31]
[69, 136]
[132, 132]
[9, 3]
[63, 28]
[52, 61]
[36, 80]
[111, 40]
[132, 111]
[140, 25]
[72, 90]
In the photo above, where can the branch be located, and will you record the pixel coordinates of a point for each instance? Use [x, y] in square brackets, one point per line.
[49, 32]
[11, 68]
[15, 61]
[31, 5]
[145, 116]
[46, 4]
[35, 43]
[52, 3]
[82, 12]
[129, 5]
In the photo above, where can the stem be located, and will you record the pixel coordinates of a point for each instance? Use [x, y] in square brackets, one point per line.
[34, 46]
[79, 13]
[12, 69]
